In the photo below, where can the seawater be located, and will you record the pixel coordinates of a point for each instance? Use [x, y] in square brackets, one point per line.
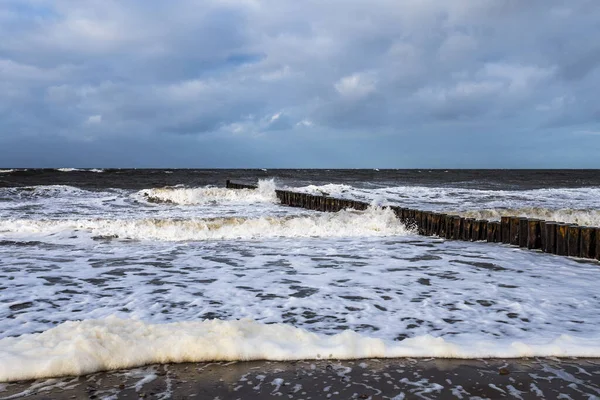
[106, 269]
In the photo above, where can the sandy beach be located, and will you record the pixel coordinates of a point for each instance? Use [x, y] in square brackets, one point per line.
[357, 379]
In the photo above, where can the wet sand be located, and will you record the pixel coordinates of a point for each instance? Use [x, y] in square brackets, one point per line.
[357, 379]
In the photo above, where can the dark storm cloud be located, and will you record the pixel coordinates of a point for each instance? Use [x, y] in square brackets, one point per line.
[294, 76]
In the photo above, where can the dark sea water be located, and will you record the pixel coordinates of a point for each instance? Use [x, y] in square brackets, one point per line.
[105, 269]
[146, 178]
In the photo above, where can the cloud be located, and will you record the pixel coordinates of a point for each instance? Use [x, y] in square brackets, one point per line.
[94, 119]
[223, 69]
[355, 86]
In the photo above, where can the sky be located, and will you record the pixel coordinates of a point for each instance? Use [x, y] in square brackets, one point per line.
[300, 83]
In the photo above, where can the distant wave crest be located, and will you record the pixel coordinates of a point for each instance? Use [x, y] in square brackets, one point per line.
[580, 217]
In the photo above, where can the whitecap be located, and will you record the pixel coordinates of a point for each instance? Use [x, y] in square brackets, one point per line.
[346, 223]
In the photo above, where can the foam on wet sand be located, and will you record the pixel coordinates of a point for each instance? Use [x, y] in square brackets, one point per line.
[83, 347]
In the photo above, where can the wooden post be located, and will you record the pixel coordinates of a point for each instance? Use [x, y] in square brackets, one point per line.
[418, 217]
[514, 230]
[542, 234]
[432, 226]
[429, 223]
[449, 226]
[442, 225]
[588, 242]
[494, 232]
[505, 229]
[549, 237]
[457, 227]
[573, 236]
[411, 218]
[403, 214]
[475, 230]
[423, 222]
[561, 239]
[466, 229]
[597, 234]
[523, 232]
[483, 227]
[534, 237]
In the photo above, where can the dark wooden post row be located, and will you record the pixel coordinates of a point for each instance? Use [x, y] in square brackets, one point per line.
[548, 236]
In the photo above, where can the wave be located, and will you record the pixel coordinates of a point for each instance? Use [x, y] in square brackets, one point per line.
[463, 199]
[83, 347]
[205, 195]
[45, 191]
[6, 171]
[330, 189]
[97, 170]
[372, 222]
[580, 217]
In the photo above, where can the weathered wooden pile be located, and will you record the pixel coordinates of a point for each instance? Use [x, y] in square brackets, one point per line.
[548, 236]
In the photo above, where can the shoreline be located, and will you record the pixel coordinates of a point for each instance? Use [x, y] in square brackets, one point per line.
[527, 378]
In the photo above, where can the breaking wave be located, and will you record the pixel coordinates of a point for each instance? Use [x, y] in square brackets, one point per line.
[57, 191]
[330, 189]
[372, 222]
[580, 217]
[97, 170]
[82, 347]
[204, 195]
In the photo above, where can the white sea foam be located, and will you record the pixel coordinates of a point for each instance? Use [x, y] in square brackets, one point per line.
[96, 170]
[346, 223]
[580, 217]
[76, 348]
[203, 195]
[466, 199]
[6, 171]
[330, 189]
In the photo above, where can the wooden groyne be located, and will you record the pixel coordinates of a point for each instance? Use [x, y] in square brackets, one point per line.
[548, 236]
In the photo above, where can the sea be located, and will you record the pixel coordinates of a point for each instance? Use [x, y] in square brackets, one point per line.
[104, 269]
